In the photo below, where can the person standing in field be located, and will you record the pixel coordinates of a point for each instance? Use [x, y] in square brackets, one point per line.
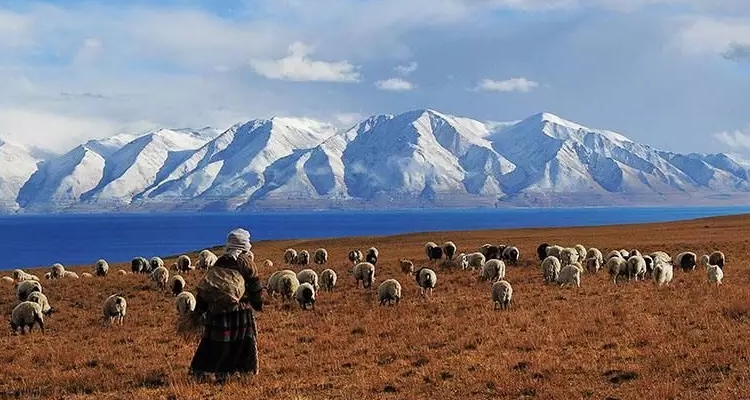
[225, 300]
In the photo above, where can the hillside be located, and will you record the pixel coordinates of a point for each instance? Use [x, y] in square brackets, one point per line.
[598, 341]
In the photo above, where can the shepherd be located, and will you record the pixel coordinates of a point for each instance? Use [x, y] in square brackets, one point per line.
[225, 299]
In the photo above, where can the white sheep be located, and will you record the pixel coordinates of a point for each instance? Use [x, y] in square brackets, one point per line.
[273, 280]
[364, 272]
[704, 261]
[476, 260]
[502, 294]
[25, 288]
[115, 308]
[581, 252]
[593, 265]
[717, 258]
[511, 254]
[321, 256]
[290, 256]
[308, 276]
[426, 279]
[58, 270]
[715, 274]
[595, 253]
[372, 255]
[287, 286]
[305, 295]
[303, 257]
[176, 284]
[463, 261]
[551, 269]
[570, 275]
[328, 280]
[122, 272]
[636, 266]
[355, 256]
[7, 279]
[660, 256]
[612, 254]
[554, 251]
[101, 268]
[86, 275]
[267, 264]
[493, 270]
[70, 275]
[568, 256]
[634, 253]
[26, 314]
[686, 260]
[48, 276]
[184, 264]
[185, 303]
[20, 275]
[617, 267]
[389, 292]
[449, 249]
[407, 266]
[41, 299]
[206, 259]
[663, 273]
[160, 277]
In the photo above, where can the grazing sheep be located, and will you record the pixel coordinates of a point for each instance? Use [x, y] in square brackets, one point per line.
[612, 254]
[704, 261]
[185, 303]
[303, 257]
[273, 280]
[449, 249]
[660, 256]
[715, 274]
[70, 274]
[407, 266]
[308, 276]
[429, 248]
[122, 272]
[19, 275]
[57, 271]
[426, 279]
[511, 254]
[176, 284]
[634, 253]
[463, 261]
[490, 252]
[140, 265]
[617, 267]
[568, 256]
[476, 260]
[389, 292]
[717, 258]
[554, 251]
[593, 265]
[287, 285]
[26, 314]
[305, 295]
[663, 273]
[115, 308]
[624, 254]
[541, 251]
[502, 293]
[649, 265]
[328, 280]
[48, 276]
[493, 270]
[41, 299]
[86, 275]
[101, 268]
[290, 256]
[25, 288]
[267, 264]
[551, 269]
[160, 277]
[7, 279]
[686, 260]
[184, 264]
[206, 259]
[595, 253]
[436, 253]
[570, 275]
[364, 272]
[581, 252]
[372, 256]
[321, 256]
[355, 256]
[636, 266]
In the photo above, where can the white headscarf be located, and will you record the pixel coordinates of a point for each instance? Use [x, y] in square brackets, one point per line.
[238, 242]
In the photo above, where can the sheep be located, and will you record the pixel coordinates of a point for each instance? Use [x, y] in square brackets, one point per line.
[616, 267]
[490, 252]
[372, 255]
[287, 285]
[70, 274]
[554, 250]
[634, 253]
[686, 260]
[303, 258]
[328, 280]
[581, 252]
[48, 276]
[160, 277]
[541, 251]
[429, 249]
[612, 254]
[41, 299]
[184, 264]
[7, 279]
[389, 292]
[704, 261]
[449, 249]
[206, 259]
[568, 256]
[273, 280]
[115, 308]
[715, 274]
[476, 260]
[355, 256]
[570, 275]
[19, 275]
[595, 253]
[185, 303]
[305, 295]
[717, 258]
[122, 272]
[426, 279]
[660, 256]
[492, 271]
[502, 293]
[86, 275]
[407, 266]
[25, 288]
[593, 265]
[551, 269]
[101, 268]
[139, 265]
[511, 254]
[57, 271]
[26, 314]
[624, 254]
[176, 284]
[364, 272]
[308, 276]
[435, 253]
[463, 261]
[636, 266]
[321, 256]
[649, 265]
[290, 256]
[267, 264]
[663, 273]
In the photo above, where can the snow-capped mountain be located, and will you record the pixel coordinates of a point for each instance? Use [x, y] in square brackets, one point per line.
[418, 158]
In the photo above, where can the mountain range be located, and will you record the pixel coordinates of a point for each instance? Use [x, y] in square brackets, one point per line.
[421, 158]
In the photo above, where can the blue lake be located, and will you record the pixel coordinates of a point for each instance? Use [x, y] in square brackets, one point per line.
[40, 240]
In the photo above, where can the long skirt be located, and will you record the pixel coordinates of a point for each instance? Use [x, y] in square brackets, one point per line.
[229, 345]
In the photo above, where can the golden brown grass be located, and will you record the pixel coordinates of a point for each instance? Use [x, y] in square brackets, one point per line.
[631, 341]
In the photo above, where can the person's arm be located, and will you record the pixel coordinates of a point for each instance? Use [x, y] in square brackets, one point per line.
[253, 289]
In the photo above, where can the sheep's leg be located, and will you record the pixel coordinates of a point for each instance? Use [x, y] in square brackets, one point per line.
[41, 324]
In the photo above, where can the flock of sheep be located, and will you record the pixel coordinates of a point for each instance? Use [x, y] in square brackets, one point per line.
[559, 265]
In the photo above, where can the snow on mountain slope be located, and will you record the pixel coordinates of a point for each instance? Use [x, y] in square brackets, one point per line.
[16, 167]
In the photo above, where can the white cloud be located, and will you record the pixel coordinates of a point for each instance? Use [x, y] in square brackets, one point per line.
[407, 69]
[712, 36]
[738, 52]
[394, 85]
[14, 29]
[511, 85]
[347, 120]
[737, 140]
[298, 67]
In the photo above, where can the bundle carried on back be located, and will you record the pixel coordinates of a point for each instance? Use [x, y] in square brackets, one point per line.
[222, 289]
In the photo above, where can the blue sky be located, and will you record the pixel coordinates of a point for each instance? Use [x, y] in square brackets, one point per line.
[674, 74]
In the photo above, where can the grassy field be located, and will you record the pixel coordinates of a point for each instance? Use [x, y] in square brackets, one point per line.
[630, 341]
